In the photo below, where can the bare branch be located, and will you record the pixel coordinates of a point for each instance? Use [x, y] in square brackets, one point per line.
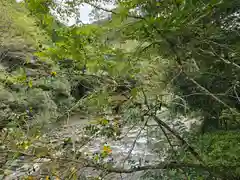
[112, 11]
[190, 148]
[162, 124]
[168, 139]
[84, 163]
[165, 165]
[223, 59]
[134, 143]
[235, 91]
[207, 91]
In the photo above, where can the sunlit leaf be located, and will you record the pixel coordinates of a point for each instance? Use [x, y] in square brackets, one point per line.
[30, 83]
[104, 121]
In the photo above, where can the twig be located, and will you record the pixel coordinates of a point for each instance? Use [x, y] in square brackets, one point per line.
[162, 165]
[190, 148]
[208, 92]
[169, 142]
[235, 91]
[134, 143]
[113, 12]
[146, 100]
[163, 124]
[130, 129]
[223, 59]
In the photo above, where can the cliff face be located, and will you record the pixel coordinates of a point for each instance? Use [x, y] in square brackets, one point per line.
[28, 91]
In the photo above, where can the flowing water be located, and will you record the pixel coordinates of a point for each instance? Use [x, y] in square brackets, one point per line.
[135, 148]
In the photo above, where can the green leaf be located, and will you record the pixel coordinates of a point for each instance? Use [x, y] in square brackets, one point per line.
[134, 92]
[104, 121]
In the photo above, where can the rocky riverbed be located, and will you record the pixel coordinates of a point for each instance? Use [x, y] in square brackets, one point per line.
[138, 145]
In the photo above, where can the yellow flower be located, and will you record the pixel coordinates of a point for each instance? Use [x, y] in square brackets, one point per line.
[107, 149]
[53, 73]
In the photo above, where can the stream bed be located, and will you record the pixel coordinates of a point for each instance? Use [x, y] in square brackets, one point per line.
[136, 147]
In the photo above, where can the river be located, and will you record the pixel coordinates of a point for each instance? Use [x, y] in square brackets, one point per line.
[139, 145]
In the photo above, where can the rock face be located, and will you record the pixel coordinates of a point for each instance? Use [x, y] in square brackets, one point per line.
[20, 75]
[25, 80]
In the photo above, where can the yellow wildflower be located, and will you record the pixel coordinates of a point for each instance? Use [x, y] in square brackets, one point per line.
[107, 149]
[53, 73]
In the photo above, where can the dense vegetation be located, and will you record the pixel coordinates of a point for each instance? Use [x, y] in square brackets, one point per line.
[179, 55]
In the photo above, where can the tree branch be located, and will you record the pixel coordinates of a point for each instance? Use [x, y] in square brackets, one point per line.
[162, 165]
[190, 148]
[87, 163]
[113, 12]
[135, 141]
[162, 124]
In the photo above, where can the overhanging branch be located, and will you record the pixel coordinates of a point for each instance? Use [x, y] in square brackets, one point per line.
[162, 125]
[113, 12]
[163, 165]
[172, 131]
[216, 170]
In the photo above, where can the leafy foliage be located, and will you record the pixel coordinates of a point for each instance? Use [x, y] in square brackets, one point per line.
[183, 57]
